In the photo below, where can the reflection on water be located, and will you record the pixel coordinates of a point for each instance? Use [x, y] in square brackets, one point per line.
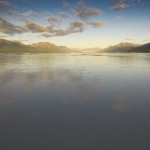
[73, 101]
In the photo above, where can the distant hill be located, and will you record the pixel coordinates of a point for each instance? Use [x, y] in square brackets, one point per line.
[12, 46]
[143, 48]
[41, 47]
[129, 47]
[46, 47]
[121, 47]
[49, 47]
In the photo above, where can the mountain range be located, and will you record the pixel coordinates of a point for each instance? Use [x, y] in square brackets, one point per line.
[142, 48]
[41, 47]
[121, 47]
[128, 47]
[46, 47]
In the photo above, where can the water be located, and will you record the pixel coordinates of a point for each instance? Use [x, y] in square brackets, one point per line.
[74, 102]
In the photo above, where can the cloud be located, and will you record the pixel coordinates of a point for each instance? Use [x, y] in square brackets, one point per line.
[146, 40]
[88, 12]
[53, 30]
[96, 24]
[129, 39]
[25, 14]
[2, 36]
[25, 1]
[74, 26]
[5, 4]
[7, 8]
[80, 10]
[119, 6]
[50, 30]
[53, 19]
[66, 4]
[124, 1]
[120, 1]
[83, 11]
[9, 28]
[64, 15]
[35, 28]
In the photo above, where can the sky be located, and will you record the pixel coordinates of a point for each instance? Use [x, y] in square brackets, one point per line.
[76, 23]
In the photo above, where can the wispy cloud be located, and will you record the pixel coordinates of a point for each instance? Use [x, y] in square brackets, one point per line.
[78, 17]
[146, 40]
[96, 24]
[29, 13]
[7, 8]
[5, 4]
[66, 4]
[64, 15]
[83, 11]
[53, 19]
[35, 28]
[3, 36]
[9, 28]
[88, 12]
[51, 30]
[75, 26]
[129, 39]
[127, 1]
[119, 6]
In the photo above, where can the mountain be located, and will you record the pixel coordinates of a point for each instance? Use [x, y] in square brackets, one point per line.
[45, 47]
[41, 47]
[49, 47]
[12, 46]
[121, 47]
[142, 48]
[129, 47]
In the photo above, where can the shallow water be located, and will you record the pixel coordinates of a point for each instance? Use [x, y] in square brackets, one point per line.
[74, 102]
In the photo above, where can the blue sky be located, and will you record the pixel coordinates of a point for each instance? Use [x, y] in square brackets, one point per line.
[76, 24]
